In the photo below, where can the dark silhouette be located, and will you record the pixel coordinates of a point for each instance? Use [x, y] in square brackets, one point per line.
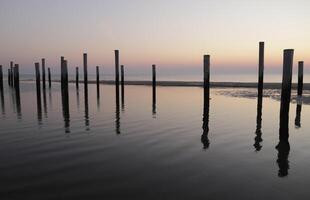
[2, 92]
[86, 114]
[98, 87]
[85, 69]
[43, 73]
[299, 93]
[49, 78]
[205, 125]
[77, 77]
[1, 78]
[154, 90]
[66, 109]
[258, 138]
[44, 103]
[206, 101]
[283, 146]
[38, 86]
[117, 114]
[123, 87]
[297, 118]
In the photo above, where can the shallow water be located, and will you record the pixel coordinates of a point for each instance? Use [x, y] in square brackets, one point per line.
[137, 150]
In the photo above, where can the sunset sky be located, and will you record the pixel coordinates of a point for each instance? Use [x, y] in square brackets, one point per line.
[174, 34]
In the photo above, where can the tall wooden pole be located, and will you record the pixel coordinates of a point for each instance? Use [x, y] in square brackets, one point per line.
[49, 77]
[43, 73]
[154, 89]
[300, 78]
[206, 77]
[286, 93]
[1, 77]
[97, 76]
[85, 68]
[261, 68]
[11, 73]
[116, 67]
[62, 60]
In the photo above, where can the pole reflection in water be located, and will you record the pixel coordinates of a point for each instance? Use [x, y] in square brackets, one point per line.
[258, 138]
[38, 87]
[18, 103]
[206, 102]
[2, 100]
[283, 146]
[86, 114]
[44, 102]
[117, 112]
[65, 108]
[98, 97]
[298, 113]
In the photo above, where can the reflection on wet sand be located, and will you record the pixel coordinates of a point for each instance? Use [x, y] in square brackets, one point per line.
[258, 138]
[298, 113]
[205, 125]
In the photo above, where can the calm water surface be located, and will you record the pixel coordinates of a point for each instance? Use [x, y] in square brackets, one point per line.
[97, 149]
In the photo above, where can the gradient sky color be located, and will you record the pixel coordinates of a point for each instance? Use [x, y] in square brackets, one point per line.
[174, 34]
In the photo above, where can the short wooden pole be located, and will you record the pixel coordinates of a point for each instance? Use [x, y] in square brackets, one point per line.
[261, 68]
[85, 68]
[49, 77]
[300, 78]
[97, 76]
[37, 68]
[123, 86]
[43, 73]
[77, 77]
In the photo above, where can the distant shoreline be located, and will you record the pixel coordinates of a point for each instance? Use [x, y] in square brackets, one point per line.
[306, 86]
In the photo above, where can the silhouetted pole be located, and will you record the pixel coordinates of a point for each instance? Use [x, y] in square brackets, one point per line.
[39, 106]
[123, 86]
[85, 68]
[300, 78]
[49, 77]
[116, 67]
[286, 93]
[1, 77]
[43, 73]
[154, 88]
[261, 68]
[77, 77]
[206, 76]
[66, 79]
[9, 77]
[16, 77]
[299, 94]
[11, 73]
[97, 76]
[62, 60]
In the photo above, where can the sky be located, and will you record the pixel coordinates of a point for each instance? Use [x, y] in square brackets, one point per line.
[173, 34]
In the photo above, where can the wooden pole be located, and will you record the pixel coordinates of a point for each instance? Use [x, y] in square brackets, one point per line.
[62, 60]
[77, 77]
[286, 93]
[300, 78]
[154, 90]
[123, 86]
[11, 73]
[66, 74]
[97, 76]
[16, 75]
[49, 77]
[37, 68]
[116, 67]
[85, 68]
[43, 73]
[9, 77]
[122, 77]
[206, 77]
[261, 68]
[1, 77]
